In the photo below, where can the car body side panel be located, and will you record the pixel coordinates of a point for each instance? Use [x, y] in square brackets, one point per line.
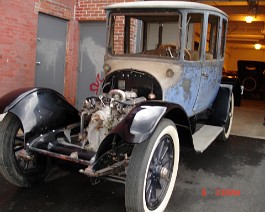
[185, 91]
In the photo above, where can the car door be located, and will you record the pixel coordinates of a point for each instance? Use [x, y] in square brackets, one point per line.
[211, 71]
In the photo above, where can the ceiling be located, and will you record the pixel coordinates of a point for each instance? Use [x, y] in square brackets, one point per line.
[242, 34]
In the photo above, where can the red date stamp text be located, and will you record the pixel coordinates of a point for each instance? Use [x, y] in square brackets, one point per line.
[221, 192]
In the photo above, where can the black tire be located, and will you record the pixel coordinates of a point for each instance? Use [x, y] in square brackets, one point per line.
[228, 125]
[13, 168]
[152, 170]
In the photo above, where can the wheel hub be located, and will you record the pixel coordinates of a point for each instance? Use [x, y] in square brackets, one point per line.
[160, 172]
[164, 173]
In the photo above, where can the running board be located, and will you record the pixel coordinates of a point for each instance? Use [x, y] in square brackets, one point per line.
[205, 136]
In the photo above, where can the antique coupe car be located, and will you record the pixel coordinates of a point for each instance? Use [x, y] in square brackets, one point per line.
[162, 93]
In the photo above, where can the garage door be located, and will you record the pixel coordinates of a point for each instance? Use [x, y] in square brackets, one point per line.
[91, 58]
[50, 56]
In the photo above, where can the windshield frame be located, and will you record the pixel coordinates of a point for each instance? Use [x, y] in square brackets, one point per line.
[144, 19]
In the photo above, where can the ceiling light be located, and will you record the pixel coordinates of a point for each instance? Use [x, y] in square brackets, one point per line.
[257, 46]
[249, 19]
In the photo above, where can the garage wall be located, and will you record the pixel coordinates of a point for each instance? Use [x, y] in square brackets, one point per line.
[235, 54]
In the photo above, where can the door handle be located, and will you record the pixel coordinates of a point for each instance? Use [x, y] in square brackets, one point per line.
[205, 74]
[38, 63]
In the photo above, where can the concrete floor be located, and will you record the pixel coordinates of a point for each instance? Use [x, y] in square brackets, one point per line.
[237, 165]
[249, 119]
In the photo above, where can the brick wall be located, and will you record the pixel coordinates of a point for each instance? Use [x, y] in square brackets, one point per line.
[17, 44]
[18, 32]
[93, 10]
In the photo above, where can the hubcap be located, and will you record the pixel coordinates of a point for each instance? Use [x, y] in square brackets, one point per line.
[164, 173]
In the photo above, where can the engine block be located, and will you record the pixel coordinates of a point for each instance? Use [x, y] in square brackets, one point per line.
[101, 114]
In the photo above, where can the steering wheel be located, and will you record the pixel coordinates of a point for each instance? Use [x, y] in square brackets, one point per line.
[166, 50]
[187, 55]
[170, 50]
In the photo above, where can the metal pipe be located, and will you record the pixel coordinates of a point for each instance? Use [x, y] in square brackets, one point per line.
[82, 122]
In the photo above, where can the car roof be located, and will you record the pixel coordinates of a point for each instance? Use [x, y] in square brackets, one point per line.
[163, 4]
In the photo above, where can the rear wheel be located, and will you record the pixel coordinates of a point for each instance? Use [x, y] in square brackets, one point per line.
[228, 125]
[16, 169]
[152, 170]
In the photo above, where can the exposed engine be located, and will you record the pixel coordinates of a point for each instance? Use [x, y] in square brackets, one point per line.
[122, 91]
[100, 114]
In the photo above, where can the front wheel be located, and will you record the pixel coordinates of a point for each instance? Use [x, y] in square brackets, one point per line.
[14, 168]
[152, 170]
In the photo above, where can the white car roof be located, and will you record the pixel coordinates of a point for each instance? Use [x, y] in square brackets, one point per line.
[164, 4]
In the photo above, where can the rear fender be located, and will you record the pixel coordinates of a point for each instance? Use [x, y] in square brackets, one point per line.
[40, 110]
[221, 105]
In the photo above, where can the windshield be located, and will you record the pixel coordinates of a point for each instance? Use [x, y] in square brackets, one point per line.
[147, 34]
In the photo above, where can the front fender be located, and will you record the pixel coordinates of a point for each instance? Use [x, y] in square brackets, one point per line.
[141, 122]
[40, 110]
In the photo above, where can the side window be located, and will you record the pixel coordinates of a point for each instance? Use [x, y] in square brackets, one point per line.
[162, 34]
[222, 47]
[192, 49]
[212, 38]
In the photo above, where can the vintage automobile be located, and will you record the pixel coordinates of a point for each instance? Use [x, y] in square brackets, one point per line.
[162, 93]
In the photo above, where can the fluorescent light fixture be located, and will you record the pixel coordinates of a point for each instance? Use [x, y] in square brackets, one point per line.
[257, 46]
